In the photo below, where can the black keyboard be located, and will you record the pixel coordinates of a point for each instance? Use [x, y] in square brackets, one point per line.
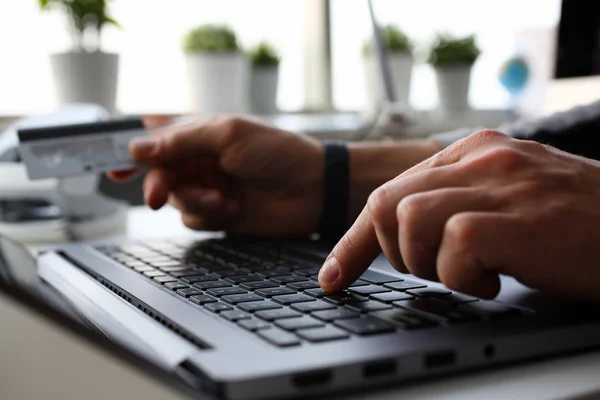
[272, 291]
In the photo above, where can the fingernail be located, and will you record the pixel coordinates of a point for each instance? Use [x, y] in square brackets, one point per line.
[330, 272]
[210, 199]
[143, 146]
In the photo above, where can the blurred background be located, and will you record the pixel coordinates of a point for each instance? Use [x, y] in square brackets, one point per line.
[152, 75]
[454, 64]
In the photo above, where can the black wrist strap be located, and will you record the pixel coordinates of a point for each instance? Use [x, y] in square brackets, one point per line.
[336, 192]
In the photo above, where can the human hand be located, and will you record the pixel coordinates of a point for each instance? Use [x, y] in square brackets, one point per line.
[234, 174]
[485, 206]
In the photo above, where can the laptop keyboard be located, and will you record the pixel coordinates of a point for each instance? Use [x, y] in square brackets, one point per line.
[273, 292]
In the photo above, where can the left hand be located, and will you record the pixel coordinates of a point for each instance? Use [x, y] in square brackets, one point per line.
[485, 206]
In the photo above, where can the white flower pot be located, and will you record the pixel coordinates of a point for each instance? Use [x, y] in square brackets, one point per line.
[401, 66]
[264, 82]
[453, 88]
[86, 78]
[218, 83]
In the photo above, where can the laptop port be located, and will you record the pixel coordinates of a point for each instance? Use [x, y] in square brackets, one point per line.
[489, 351]
[379, 368]
[440, 359]
[318, 378]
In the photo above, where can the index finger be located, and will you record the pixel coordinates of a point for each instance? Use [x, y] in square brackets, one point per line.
[355, 252]
[173, 143]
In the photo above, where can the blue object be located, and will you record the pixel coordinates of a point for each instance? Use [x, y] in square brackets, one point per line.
[514, 75]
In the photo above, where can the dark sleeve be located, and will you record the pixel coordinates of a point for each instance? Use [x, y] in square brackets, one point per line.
[576, 131]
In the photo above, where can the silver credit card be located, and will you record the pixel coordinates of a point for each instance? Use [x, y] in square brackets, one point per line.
[73, 150]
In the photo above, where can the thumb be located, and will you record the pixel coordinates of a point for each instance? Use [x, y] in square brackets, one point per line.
[173, 143]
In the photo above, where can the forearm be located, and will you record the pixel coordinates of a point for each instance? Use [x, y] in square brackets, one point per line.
[373, 164]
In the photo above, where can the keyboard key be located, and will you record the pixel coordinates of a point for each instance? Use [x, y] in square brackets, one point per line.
[369, 306]
[304, 322]
[235, 315]
[225, 273]
[404, 319]
[340, 313]
[277, 291]
[429, 292]
[288, 279]
[365, 325]
[189, 292]
[322, 334]
[259, 285]
[489, 309]
[253, 324]
[218, 292]
[436, 309]
[175, 285]
[274, 272]
[279, 337]
[458, 298]
[404, 285]
[241, 298]
[199, 278]
[218, 307]
[279, 313]
[164, 279]
[175, 269]
[153, 274]
[202, 299]
[187, 272]
[144, 268]
[390, 297]
[211, 285]
[259, 306]
[292, 298]
[378, 277]
[303, 285]
[244, 278]
[370, 289]
[310, 306]
[359, 283]
[344, 298]
[307, 271]
[166, 263]
[317, 292]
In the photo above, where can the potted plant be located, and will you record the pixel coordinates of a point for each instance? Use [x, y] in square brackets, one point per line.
[453, 59]
[85, 74]
[399, 49]
[218, 71]
[264, 79]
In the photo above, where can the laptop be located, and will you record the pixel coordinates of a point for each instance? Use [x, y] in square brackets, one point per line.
[244, 318]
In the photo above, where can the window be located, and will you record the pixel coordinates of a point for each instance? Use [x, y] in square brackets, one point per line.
[152, 64]
[495, 22]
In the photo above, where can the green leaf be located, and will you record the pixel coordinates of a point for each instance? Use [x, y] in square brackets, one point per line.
[394, 39]
[210, 39]
[450, 51]
[264, 55]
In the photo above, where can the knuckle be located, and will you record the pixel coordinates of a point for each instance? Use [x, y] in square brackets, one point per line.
[232, 128]
[487, 135]
[504, 158]
[192, 222]
[409, 211]
[377, 202]
[531, 146]
[461, 230]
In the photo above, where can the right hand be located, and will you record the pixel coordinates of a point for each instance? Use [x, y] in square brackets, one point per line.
[235, 175]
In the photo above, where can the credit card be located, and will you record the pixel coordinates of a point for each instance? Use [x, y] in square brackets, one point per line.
[73, 150]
